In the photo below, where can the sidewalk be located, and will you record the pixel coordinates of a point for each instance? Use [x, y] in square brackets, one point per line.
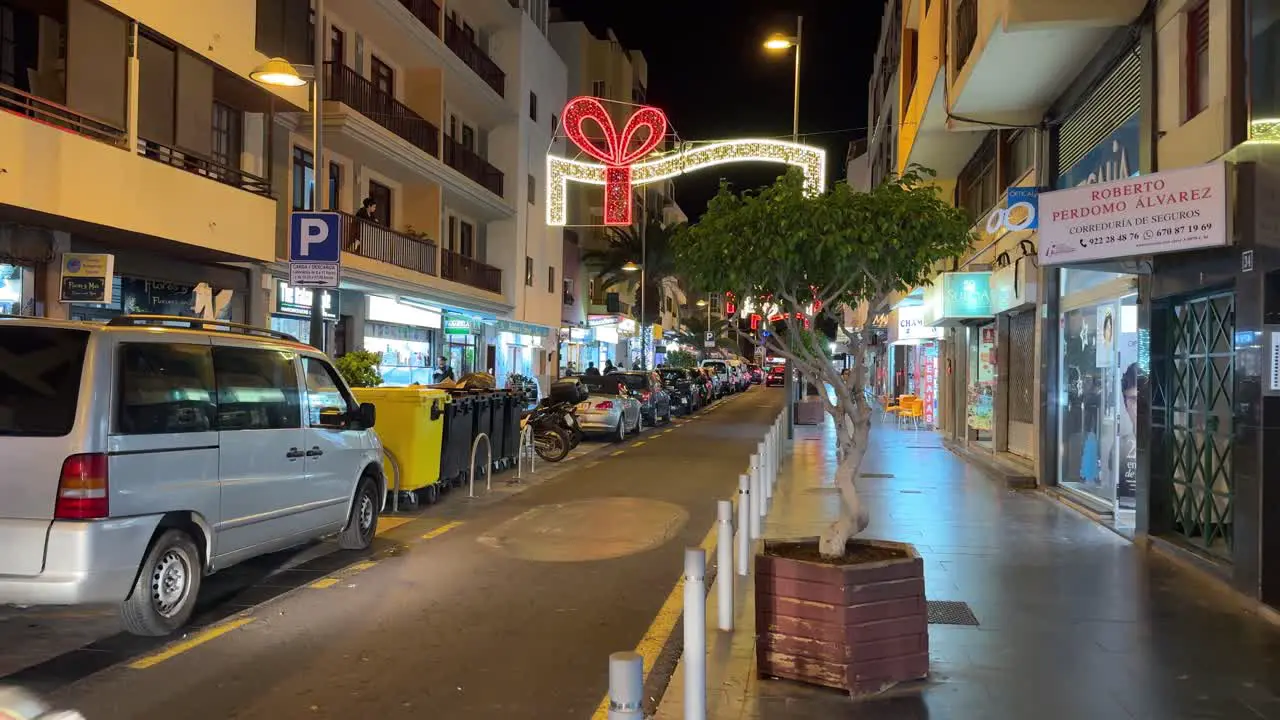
[1074, 621]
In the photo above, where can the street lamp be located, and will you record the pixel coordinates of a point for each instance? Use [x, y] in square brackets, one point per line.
[778, 43]
[278, 72]
[630, 267]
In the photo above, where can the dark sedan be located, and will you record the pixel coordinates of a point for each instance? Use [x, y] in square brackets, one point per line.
[655, 402]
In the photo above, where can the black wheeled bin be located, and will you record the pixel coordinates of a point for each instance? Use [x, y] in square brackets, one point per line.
[512, 412]
[459, 424]
[482, 422]
[499, 402]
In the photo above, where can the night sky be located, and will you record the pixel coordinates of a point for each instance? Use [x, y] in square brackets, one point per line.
[709, 72]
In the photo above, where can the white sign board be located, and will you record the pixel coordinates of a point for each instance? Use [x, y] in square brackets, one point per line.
[320, 275]
[315, 250]
[907, 325]
[1172, 211]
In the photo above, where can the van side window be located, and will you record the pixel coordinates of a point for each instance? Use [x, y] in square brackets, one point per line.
[166, 388]
[257, 389]
[327, 401]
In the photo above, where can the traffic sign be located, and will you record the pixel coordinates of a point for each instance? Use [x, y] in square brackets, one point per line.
[315, 249]
[710, 340]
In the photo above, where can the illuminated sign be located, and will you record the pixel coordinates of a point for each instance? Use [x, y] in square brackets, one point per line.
[622, 165]
[458, 325]
[966, 295]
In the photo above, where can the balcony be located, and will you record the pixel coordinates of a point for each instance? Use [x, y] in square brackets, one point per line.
[371, 240]
[427, 12]
[1010, 59]
[475, 58]
[469, 271]
[467, 162]
[345, 85]
[204, 167]
[59, 116]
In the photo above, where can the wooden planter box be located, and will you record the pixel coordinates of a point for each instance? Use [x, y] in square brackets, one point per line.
[861, 628]
[809, 411]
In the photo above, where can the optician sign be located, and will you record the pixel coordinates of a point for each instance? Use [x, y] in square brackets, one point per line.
[1021, 211]
[1184, 209]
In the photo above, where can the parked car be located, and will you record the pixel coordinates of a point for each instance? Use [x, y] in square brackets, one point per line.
[655, 401]
[148, 452]
[719, 369]
[756, 372]
[777, 376]
[686, 395]
[609, 408]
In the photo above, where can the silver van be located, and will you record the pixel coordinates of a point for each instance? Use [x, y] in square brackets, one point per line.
[139, 455]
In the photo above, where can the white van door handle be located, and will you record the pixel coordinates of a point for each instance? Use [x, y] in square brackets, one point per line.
[315, 452]
[294, 454]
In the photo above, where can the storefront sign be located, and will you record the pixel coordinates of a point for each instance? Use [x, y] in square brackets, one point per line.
[1115, 158]
[958, 296]
[908, 325]
[521, 328]
[297, 301]
[1021, 211]
[1184, 209]
[458, 325]
[401, 311]
[1014, 286]
[579, 334]
[602, 320]
[86, 278]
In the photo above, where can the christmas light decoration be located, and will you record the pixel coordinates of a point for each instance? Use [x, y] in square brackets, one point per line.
[621, 168]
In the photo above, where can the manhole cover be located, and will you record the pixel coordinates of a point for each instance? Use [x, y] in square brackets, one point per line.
[951, 612]
[879, 476]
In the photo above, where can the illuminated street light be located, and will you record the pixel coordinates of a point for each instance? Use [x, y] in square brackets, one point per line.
[702, 303]
[278, 72]
[630, 267]
[778, 41]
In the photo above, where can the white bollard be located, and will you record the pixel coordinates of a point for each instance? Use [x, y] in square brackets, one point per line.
[757, 501]
[695, 634]
[724, 562]
[763, 454]
[626, 686]
[744, 523]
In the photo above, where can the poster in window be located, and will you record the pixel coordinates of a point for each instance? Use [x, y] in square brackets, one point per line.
[1106, 341]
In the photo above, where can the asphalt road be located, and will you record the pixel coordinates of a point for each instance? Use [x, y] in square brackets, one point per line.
[476, 610]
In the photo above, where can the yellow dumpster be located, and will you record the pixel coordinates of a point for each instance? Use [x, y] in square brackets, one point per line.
[410, 424]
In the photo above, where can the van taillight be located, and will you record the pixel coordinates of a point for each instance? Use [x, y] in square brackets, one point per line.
[82, 488]
[604, 405]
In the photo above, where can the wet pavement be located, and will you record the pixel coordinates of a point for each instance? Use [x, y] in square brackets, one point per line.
[503, 608]
[1074, 620]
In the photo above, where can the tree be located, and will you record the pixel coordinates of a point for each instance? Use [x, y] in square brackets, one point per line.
[625, 246]
[360, 368]
[817, 255]
[695, 330]
[682, 359]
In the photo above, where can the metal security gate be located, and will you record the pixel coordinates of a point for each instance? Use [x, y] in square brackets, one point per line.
[1193, 398]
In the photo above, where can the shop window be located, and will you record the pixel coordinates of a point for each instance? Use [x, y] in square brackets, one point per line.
[166, 388]
[528, 271]
[257, 389]
[1197, 58]
[383, 77]
[228, 135]
[381, 195]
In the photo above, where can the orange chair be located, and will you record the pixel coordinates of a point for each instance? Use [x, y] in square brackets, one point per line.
[914, 412]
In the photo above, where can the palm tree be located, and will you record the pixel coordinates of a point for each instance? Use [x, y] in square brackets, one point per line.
[695, 330]
[616, 262]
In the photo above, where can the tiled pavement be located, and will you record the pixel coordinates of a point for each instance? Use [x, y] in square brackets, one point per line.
[1075, 622]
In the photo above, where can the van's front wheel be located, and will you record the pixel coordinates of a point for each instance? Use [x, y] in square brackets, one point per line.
[164, 594]
[363, 523]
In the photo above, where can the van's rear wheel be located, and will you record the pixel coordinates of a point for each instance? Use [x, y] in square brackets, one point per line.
[362, 525]
[164, 595]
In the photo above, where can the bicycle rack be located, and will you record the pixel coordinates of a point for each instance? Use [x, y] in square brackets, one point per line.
[488, 466]
[526, 449]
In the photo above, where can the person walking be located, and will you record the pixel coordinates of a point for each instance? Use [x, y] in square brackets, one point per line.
[592, 370]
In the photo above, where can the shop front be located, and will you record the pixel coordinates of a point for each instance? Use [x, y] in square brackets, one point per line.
[96, 287]
[521, 354]
[575, 342]
[291, 309]
[1015, 289]
[406, 335]
[17, 289]
[462, 343]
[612, 336]
[961, 302]
[917, 344]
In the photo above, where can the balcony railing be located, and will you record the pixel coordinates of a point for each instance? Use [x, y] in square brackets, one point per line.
[371, 240]
[458, 157]
[475, 58]
[204, 167]
[426, 11]
[346, 86]
[59, 116]
[966, 31]
[469, 271]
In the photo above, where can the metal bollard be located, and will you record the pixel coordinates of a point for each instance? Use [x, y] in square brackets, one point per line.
[626, 686]
[695, 634]
[757, 499]
[724, 561]
[744, 523]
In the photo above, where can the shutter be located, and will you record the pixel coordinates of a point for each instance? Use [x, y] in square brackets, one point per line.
[1198, 28]
[1113, 102]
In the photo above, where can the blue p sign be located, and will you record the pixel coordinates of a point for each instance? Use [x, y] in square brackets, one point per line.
[315, 237]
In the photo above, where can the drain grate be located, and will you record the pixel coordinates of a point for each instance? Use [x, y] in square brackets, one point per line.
[951, 612]
[877, 476]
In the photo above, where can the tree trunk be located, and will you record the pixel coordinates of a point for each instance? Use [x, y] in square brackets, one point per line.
[853, 431]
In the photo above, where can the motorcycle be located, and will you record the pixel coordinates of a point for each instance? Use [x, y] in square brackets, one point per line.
[555, 430]
[19, 704]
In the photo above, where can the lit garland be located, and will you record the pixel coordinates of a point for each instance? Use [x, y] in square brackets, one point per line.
[617, 153]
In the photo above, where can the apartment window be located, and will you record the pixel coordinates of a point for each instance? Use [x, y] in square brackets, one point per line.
[8, 47]
[337, 45]
[533, 106]
[453, 126]
[1197, 58]
[303, 179]
[452, 234]
[1017, 155]
[598, 88]
[528, 271]
[228, 135]
[467, 239]
[978, 186]
[567, 287]
[381, 195]
[335, 186]
[551, 279]
[468, 137]
[533, 190]
[383, 77]
[555, 123]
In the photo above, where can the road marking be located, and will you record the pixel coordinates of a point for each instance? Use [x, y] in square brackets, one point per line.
[616, 454]
[361, 566]
[195, 641]
[659, 632]
[664, 432]
[441, 530]
[323, 583]
[638, 443]
[387, 524]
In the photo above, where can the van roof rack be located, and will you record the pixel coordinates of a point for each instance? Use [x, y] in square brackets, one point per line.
[219, 326]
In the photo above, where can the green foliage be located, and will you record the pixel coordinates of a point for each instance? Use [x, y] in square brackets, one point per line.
[695, 329]
[360, 368]
[626, 246]
[682, 359]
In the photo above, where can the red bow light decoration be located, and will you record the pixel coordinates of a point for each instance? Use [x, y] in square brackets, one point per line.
[617, 153]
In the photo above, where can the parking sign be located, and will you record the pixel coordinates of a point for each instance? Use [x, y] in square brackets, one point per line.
[315, 249]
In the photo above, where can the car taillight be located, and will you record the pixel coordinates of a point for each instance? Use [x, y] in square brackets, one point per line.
[604, 405]
[82, 488]
[644, 396]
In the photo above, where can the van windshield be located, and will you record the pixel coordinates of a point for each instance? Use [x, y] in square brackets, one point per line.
[40, 379]
[716, 367]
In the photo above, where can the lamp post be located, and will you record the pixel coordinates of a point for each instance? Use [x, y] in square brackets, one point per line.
[279, 72]
[779, 42]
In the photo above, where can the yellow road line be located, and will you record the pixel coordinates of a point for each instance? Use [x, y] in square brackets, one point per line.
[616, 454]
[323, 583]
[361, 566]
[638, 443]
[387, 524]
[195, 641]
[441, 530]
[655, 638]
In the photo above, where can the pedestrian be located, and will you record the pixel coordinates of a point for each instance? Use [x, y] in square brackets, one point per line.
[368, 210]
[609, 367]
[444, 373]
[592, 370]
